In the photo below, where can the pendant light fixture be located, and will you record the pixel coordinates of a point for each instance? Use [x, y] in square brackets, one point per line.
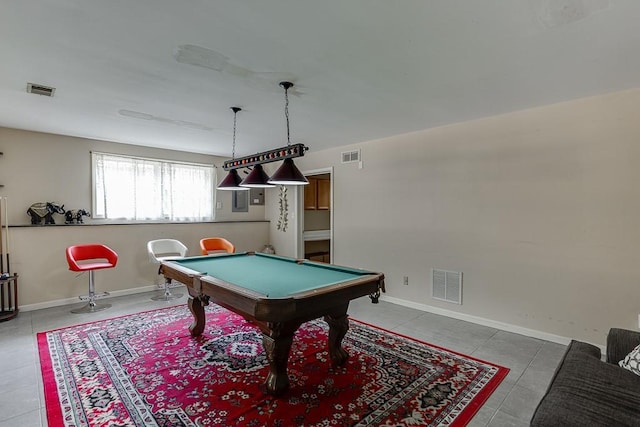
[287, 173]
[232, 180]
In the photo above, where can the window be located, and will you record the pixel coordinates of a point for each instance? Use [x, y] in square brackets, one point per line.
[136, 188]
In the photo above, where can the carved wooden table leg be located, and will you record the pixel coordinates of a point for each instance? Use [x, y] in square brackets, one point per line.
[338, 327]
[277, 348]
[196, 306]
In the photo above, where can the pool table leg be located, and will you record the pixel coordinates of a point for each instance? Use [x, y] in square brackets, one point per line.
[338, 327]
[196, 305]
[277, 345]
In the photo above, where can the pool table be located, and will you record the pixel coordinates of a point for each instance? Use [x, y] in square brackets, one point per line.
[277, 294]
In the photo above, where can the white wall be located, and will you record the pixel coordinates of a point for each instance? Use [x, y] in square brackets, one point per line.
[539, 209]
[43, 167]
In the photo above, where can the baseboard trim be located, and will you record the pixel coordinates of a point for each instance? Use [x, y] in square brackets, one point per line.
[66, 301]
[533, 333]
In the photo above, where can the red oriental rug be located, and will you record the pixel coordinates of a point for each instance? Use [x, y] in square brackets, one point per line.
[146, 370]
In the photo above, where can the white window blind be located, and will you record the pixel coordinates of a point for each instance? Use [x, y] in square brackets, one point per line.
[135, 188]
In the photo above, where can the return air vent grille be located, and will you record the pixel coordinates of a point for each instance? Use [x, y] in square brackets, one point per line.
[446, 286]
[350, 156]
[40, 89]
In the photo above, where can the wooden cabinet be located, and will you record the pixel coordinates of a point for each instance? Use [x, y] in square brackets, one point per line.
[323, 194]
[311, 194]
[317, 194]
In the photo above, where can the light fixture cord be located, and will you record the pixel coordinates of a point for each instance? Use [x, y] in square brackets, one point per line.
[233, 150]
[286, 112]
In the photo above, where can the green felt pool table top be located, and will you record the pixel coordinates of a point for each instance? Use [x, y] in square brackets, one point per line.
[271, 275]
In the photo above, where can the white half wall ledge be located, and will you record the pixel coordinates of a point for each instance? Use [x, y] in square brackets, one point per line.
[507, 327]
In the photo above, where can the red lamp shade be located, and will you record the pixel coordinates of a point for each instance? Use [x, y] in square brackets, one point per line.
[231, 182]
[257, 178]
[288, 174]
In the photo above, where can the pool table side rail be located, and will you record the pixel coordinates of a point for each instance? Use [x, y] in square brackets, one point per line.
[354, 270]
[312, 305]
[377, 278]
[250, 304]
[337, 267]
[178, 272]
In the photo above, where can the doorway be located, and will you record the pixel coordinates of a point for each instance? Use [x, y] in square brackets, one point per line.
[316, 217]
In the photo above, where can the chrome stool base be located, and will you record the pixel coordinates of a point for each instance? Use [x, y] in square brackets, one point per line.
[167, 296]
[91, 308]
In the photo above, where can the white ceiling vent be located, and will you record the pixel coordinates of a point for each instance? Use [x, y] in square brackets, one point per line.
[40, 89]
[350, 156]
[446, 286]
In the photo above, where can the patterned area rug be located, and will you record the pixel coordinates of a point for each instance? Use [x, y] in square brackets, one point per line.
[146, 370]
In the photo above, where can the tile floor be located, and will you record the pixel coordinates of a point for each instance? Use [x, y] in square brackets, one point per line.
[532, 361]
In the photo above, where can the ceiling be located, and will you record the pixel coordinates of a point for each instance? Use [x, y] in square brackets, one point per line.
[164, 73]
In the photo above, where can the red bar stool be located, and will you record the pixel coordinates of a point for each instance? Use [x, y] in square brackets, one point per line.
[90, 258]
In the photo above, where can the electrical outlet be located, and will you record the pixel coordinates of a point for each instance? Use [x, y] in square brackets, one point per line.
[406, 283]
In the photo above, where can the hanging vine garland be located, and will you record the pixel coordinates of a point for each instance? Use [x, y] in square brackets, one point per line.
[284, 209]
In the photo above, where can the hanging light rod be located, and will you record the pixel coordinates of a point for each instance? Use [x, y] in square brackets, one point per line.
[274, 155]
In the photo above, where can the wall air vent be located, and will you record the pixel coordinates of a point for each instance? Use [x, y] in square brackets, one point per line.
[40, 89]
[350, 156]
[446, 286]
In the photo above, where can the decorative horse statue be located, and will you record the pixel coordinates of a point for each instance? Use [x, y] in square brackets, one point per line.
[44, 210]
[76, 215]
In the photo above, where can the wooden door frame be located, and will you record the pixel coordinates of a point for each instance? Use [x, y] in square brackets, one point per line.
[299, 250]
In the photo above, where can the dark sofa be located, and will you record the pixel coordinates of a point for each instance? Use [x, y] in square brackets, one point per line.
[585, 391]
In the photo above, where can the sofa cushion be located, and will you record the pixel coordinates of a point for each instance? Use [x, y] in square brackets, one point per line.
[586, 391]
[632, 361]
